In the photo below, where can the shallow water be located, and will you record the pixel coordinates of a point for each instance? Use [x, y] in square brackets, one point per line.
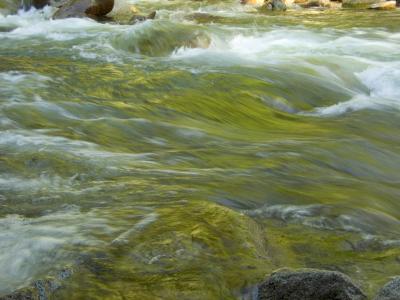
[191, 155]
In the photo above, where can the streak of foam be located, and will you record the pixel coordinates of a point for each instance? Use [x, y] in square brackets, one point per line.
[124, 237]
[30, 247]
[15, 139]
[325, 217]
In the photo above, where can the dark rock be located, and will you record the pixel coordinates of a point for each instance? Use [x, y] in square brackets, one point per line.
[309, 284]
[38, 4]
[390, 291]
[84, 8]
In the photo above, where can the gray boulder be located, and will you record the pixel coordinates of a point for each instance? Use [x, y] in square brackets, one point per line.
[84, 8]
[309, 284]
[390, 291]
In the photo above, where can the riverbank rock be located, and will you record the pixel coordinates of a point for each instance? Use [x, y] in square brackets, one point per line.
[361, 4]
[387, 5]
[309, 284]
[84, 8]
[390, 291]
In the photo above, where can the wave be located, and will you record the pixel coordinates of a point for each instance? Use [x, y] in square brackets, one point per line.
[383, 84]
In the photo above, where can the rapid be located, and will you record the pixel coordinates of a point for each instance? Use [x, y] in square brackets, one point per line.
[189, 156]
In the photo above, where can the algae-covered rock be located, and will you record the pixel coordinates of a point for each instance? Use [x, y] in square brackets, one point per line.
[190, 250]
[390, 291]
[309, 284]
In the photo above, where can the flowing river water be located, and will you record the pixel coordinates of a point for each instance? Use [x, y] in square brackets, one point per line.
[191, 155]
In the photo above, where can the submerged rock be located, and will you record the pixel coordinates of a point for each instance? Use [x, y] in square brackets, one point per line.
[84, 8]
[384, 5]
[140, 18]
[201, 17]
[40, 289]
[309, 284]
[390, 291]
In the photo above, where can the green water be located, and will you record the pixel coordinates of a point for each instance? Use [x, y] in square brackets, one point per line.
[189, 156]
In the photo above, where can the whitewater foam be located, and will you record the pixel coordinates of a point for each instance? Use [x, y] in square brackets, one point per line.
[383, 84]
